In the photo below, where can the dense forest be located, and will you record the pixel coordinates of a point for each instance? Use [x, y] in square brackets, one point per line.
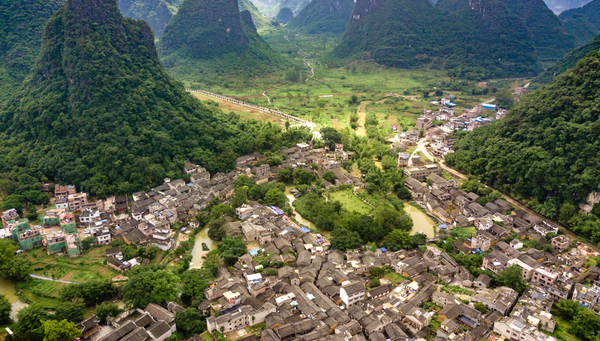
[589, 12]
[284, 16]
[584, 22]
[479, 41]
[99, 111]
[569, 61]
[156, 13]
[323, 16]
[208, 39]
[21, 27]
[545, 152]
[260, 22]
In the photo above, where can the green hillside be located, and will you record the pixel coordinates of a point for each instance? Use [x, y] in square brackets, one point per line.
[478, 40]
[21, 27]
[323, 16]
[295, 5]
[569, 61]
[99, 111]
[581, 29]
[208, 40]
[589, 12]
[550, 40]
[260, 22]
[284, 16]
[546, 151]
[156, 13]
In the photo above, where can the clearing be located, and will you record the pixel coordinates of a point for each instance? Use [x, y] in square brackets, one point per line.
[350, 201]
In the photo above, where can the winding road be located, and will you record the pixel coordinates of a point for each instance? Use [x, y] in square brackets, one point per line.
[312, 69]
[44, 278]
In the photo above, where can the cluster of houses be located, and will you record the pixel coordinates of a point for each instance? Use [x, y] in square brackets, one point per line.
[324, 294]
[152, 323]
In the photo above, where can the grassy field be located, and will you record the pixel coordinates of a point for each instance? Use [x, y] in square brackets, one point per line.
[350, 201]
[561, 331]
[244, 112]
[394, 277]
[80, 269]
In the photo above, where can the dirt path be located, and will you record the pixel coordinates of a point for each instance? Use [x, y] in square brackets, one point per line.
[312, 69]
[362, 114]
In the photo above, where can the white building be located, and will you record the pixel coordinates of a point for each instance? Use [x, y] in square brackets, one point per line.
[352, 293]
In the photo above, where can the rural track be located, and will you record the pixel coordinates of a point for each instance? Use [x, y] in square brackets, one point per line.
[44, 278]
[312, 69]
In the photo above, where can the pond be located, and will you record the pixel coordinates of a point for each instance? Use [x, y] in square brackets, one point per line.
[197, 252]
[422, 222]
[7, 288]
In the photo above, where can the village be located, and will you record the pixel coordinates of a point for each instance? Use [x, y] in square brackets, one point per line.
[291, 285]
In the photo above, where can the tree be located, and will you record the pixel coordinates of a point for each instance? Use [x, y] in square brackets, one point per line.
[150, 285]
[29, 321]
[425, 93]
[331, 136]
[586, 325]
[375, 282]
[105, 310]
[275, 197]
[376, 271]
[190, 322]
[240, 197]
[388, 163]
[567, 309]
[16, 270]
[439, 93]
[398, 240]
[330, 176]
[512, 277]
[285, 175]
[88, 242]
[481, 307]
[343, 239]
[194, 282]
[419, 239]
[71, 311]
[216, 230]
[7, 250]
[5, 309]
[232, 248]
[91, 292]
[60, 330]
[303, 177]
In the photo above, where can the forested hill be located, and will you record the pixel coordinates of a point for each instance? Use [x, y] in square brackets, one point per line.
[550, 39]
[156, 13]
[590, 12]
[569, 61]
[99, 111]
[546, 151]
[477, 40]
[208, 39]
[260, 22]
[284, 16]
[21, 26]
[323, 16]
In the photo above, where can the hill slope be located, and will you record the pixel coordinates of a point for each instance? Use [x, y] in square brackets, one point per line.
[99, 110]
[480, 40]
[284, 16]
[569, 61]
[323, 16]
[546, 149]
[260, 22]
[550, 39]
[590, 12]
[21, 27]
[208, 39]
[155, 12]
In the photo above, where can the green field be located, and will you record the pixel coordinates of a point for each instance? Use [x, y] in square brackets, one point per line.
[350, 201]
[87, 267]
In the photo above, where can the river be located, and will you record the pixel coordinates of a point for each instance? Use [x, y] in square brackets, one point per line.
[7, 289]
[197, 252]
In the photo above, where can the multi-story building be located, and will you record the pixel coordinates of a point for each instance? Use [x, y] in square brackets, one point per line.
[517, 328]
[9, 215]
[30, 239]
[421, 173]
[561, 243]
[352, 293]
[544, 276]
[403, 159]
[52, 217]
[64, 191]
[67, 223]
[56, 241]
[76, 201]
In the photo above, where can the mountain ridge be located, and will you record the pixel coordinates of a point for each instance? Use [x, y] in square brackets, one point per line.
[323, 16]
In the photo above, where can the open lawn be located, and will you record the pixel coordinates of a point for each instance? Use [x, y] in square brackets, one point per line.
[350, 201]
[244, 112]
[561, 331]
[394, 277]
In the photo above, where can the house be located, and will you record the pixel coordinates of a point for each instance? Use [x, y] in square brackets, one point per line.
[89, 326]
[561, 243]
[262, 171]
[421, 173]
[517, 328]
[403, 159]
[121, 204]
[352, 293]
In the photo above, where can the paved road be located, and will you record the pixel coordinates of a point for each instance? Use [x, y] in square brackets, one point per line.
[421, 147]
[44, 278]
